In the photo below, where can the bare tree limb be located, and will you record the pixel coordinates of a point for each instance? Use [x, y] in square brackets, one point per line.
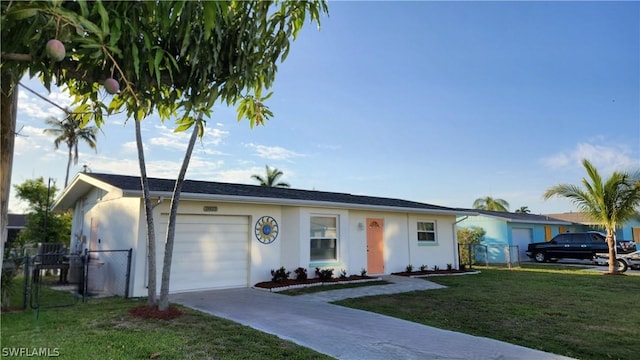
[66, 111]
[17, 57]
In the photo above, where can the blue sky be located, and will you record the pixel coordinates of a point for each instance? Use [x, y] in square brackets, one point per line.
[437, 102]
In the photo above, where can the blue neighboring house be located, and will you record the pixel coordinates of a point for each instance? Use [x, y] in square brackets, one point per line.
[514, 229]
[628, 231]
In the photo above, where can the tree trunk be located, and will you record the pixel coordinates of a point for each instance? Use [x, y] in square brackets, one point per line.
[151, 232]
[8, 114]
[171, 228]
[612, 252]
[66, 179]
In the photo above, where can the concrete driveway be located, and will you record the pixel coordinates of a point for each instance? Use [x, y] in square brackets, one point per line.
[346, 333]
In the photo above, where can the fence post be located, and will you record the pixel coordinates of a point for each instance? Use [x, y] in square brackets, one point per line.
[25, 290]
[85, 274]
[128, 275]
[486, 255]
[508, 254]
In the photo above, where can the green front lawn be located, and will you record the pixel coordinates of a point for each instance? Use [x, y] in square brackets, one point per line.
[103, 329]
[561, 310]
[558, 309]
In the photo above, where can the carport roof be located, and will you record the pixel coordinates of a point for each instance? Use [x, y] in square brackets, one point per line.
[207, 190]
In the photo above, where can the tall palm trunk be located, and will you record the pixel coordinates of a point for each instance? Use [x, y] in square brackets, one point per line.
[8, 114]
[66, 178]
[611, 242]
[171, 228]
[151, 232]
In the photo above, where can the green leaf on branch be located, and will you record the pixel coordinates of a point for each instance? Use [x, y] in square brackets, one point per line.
[23, 14]
[104, 16]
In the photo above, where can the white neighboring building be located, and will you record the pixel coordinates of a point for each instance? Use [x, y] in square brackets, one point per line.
[233, 235]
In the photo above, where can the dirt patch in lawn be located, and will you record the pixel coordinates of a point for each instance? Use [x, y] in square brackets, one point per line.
[152, 312]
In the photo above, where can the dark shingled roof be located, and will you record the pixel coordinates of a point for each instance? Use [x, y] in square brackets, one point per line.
[16, 221]
[132, 183]
[520, 217]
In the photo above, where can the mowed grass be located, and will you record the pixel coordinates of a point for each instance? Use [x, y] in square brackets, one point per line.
[560, 310]
[103, 329]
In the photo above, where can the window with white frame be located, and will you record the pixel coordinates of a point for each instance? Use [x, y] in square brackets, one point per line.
[426, 232]
[324, 238]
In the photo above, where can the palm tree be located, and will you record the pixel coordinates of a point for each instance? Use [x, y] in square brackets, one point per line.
[609, 203]
[523, 210]
[271, 180]
[489, 203]
[70, 131]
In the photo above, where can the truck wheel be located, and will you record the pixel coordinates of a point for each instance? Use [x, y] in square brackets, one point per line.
[621, 266]
[540, 256]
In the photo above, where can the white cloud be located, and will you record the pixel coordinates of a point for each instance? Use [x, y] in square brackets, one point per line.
[32, 140]
[130, 147]
[214, 136]
[606, 158]
[178, 141]
[169, 142]
[238, 176]
[202, 169]
[34, 107]
[163, 169]
[199, 168]
[61, 98]
[273, 152]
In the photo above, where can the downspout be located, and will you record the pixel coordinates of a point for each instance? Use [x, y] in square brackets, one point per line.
[408, 239]
[455, 242]
[160, 200]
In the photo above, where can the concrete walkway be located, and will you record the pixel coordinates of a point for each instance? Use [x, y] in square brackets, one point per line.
[399, 284]
[345, 333]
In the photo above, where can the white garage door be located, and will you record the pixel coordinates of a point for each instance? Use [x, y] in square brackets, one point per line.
[209, 252]
[522, 238]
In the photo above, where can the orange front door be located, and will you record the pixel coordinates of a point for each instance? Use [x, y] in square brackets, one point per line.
[375, 246]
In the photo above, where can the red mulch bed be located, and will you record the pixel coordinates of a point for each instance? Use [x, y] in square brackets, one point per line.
[277, 284]
[152, 312]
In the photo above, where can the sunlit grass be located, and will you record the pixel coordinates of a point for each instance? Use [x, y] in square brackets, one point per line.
[103, 329]
[572, 312]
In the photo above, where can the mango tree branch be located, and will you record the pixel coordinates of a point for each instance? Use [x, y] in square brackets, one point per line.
[45, 99]
[17, 57]
[126, 81]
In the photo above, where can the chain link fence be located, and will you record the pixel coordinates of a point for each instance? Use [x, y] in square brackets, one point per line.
[108, 273]
[74, 276]
[488, 254]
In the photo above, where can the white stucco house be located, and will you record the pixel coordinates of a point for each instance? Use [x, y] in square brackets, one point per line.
[233, 235]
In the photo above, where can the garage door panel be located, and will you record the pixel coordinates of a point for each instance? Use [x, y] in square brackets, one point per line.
[205, 263]
[210, 252]
[522, 237]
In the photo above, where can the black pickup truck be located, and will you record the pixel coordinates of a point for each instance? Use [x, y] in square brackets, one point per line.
[584, 245]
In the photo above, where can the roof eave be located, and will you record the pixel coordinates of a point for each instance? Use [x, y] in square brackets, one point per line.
[296, 202]
[553, 222]
[79, 186]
